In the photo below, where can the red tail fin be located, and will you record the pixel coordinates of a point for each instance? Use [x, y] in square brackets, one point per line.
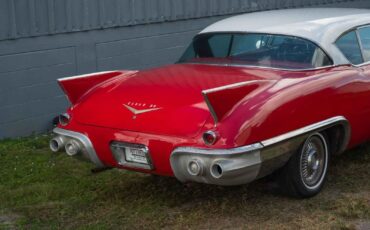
[221, 100]
[77, 86]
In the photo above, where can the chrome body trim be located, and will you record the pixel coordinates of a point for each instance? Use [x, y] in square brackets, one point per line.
[85, 75]
[244, 164]
[316, 126]
[88, 150]
[221, 152]
[210, 107]
[234, 85]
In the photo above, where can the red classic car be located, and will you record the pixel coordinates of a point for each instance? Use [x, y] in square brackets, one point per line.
[280, 91]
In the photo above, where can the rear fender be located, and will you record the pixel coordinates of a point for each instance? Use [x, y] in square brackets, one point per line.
[221, 100]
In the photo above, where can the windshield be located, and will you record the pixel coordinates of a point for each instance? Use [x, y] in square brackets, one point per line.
[267, 50]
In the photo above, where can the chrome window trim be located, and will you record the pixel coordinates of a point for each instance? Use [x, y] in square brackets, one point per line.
[259, 67]
[363, 26]
[88, 146]
[360, 44]
[362, 64]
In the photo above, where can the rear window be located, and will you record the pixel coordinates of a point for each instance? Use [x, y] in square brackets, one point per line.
[267, 50]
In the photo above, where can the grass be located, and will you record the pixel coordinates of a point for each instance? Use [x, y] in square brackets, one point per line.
[42, 190]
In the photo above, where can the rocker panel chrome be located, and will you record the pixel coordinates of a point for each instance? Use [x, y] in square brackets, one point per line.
[88, 149]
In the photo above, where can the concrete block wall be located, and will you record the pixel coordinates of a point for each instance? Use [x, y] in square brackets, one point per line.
[59, 39]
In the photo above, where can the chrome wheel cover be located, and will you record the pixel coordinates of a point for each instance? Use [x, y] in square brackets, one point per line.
[313, 161]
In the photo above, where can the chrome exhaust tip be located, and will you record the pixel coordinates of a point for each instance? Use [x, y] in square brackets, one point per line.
[73, 147]
[57, 143]
[217, 170]
[195, 167]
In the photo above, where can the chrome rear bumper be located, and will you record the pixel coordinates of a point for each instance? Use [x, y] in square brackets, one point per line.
[234, 166]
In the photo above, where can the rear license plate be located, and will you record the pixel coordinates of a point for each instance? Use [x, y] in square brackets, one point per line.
[131, 155]
[136, 155]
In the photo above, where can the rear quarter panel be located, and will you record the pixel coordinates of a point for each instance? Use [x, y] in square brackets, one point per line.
[295, 102]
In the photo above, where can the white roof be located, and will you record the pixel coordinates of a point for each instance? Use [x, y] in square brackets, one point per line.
[320, 25]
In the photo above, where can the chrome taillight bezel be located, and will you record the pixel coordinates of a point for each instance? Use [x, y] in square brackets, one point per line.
[64, 119]
[210, 137]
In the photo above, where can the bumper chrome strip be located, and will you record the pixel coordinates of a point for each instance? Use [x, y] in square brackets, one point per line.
[239, 150]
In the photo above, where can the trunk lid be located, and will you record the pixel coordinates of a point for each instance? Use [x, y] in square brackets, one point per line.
[166, 100]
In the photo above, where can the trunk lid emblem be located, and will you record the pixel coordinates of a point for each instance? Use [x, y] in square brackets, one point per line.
[139, 111]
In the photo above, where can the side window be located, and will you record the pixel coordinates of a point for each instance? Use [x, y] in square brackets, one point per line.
[350, 47]
[365, 42]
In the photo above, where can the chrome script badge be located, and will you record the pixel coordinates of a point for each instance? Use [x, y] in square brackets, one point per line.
[139, 111]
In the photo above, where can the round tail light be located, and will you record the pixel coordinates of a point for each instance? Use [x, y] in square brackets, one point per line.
[210, 137]
[64, 119]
